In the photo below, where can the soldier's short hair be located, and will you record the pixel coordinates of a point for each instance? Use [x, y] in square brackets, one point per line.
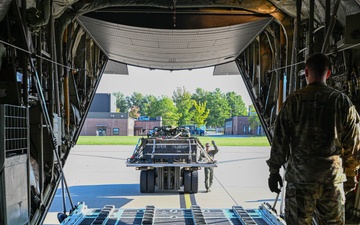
[318, 64]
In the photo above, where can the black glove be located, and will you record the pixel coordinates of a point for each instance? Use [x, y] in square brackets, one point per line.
[213, 142]
[350, 184]
[273, 181]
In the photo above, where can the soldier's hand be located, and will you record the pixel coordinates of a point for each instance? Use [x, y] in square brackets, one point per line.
[273, 182]
[350, 184]
[213, 142]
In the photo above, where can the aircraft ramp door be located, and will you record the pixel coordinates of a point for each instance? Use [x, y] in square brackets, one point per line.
[109, 215]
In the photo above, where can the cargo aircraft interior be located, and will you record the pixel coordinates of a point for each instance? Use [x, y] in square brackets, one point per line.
[53, 54]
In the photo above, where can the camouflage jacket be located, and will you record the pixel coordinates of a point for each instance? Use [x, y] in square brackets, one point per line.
[211, 153]
[316, 136]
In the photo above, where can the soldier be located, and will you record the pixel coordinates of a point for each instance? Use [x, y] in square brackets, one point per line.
[317, 137]
[209, 171]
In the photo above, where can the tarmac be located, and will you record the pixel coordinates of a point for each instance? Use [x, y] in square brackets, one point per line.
[98, 176]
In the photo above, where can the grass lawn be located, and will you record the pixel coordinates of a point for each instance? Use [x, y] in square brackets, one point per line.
[132, 140]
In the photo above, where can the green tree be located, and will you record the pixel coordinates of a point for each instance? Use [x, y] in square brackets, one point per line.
[200, 113]
[200, 95]
[136, 99]
[183, 102]
[165, 108]
[236, 104]
[219, 108]
[253, 119]
[121, 103]
[148, 101]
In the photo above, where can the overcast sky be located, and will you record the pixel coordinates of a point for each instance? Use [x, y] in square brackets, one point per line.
[161, 82]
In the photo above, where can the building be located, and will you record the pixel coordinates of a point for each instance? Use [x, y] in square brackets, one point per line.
[108, 124]
[239, 125]
[103, 102]
[144, 124]
[103, 120]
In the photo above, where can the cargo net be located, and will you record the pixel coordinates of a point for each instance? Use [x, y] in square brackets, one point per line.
[169, 145]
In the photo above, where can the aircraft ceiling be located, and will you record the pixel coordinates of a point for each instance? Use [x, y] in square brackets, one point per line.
[177, 34]
[172, 49]
[186, 34]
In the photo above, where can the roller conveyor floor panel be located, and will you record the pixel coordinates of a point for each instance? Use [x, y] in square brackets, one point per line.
[109, 215]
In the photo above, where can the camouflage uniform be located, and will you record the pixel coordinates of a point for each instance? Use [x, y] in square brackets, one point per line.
[317, 135]
[209, 171]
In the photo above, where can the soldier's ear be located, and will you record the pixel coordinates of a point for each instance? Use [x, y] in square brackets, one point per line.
[306, 72]
[328, 73]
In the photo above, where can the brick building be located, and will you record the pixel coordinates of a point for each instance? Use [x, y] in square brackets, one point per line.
[108, 124]
[144, 124]
[239, 125]
[102, 120]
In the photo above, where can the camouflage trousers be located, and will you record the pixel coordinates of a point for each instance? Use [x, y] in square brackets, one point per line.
[209, 175]
[325, 201]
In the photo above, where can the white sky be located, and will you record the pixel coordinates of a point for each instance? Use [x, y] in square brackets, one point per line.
[161, 82]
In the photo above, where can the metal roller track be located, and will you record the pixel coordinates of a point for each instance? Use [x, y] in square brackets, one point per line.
[109, 215]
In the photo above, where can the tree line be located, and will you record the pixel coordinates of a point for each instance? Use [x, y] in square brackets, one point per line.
[209, 108]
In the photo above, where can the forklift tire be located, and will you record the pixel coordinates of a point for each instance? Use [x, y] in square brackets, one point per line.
[151, 181]
[143, 181]
[194, 182]
[187, 181]
[147, 181]
[191, 184]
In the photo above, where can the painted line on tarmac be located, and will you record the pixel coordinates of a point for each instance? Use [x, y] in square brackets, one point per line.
[187, 200]
[193, 200]
[182, 200]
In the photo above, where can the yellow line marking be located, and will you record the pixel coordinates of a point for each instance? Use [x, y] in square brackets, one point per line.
[187, 200]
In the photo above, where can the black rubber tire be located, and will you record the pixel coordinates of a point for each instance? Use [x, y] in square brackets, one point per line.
[143, 181]
[151, 181]
[191, 182]
[194, 182]
[187, 181]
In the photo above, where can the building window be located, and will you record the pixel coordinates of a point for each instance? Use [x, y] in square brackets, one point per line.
[228, 124]
[244, 129]
[101, 132]
[116, 131]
